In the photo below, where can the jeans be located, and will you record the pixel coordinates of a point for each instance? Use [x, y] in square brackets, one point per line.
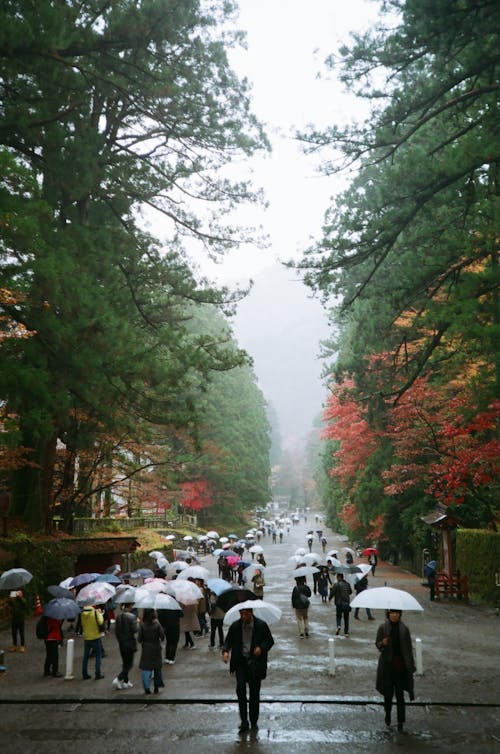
[157, 676]
[96, 646]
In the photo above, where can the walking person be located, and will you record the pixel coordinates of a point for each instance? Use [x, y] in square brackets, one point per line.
[360, 585]
[150, 637]
[396, 665]
[248, 641]
[170, 622]
[92, 621]
[258, 584]
[18, 611]
[324, 583]
[340, 593]
[300, 602]
[373, 560]
[216, 621]
[189, 623]
[126, 628]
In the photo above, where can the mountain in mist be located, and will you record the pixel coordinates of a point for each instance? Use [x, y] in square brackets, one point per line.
[281, 326]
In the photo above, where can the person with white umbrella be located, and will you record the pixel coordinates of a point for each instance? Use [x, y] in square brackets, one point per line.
[396, 665]
[248, 642]
[301, 594]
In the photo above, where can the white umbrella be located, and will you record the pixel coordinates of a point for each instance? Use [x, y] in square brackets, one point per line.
[386, 598]
[304, 571]
[194, 572]
[256, 549]
[212, 534]
[365, 568]
[202, 537]
[156, 554]
[144, 598]
[166, 602]
[187, 538]
[223, 539]
[263, 610]
[348, 549]
[65, 583]
[15, 578]
[170, 537]
[155, 585]
[97, 593]
[176, 567]
[300, 551]
[334, 562]
[125, 596]
[162, 563]
[249, 571]
[310, 557]
[332, 554]
[185, 591]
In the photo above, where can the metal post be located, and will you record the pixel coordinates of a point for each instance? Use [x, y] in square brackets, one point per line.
[418, 649]
[70, 655]
[331, 656]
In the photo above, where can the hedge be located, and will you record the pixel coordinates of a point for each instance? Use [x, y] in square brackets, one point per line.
[478, 558]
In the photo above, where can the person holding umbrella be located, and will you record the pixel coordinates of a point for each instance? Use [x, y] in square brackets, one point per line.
[248, 641]
[53, 641]
[300, 603]
[395, 664]
[340, 592]
[18, 610]
[126, 628]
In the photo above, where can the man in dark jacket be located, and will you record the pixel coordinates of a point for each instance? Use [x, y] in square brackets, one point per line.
[126, 628]
[341, 592]
[248, 640]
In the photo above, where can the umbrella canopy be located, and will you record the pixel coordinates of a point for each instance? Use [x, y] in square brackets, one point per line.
[310, 558]
[230, 553]
[15, 578]
[256, 549]
[143, 573]
[154, 585]
[369, 550]
[170, 537]
[233, 560]
[218, 586]
[125, 596]
[348, 550]
[194, 572]
[84, 578]
[66, 583]
[144, 598]
[61, 608]
[212, 534]
[332, 553]
[176, 567]
[249, 572]
[166, 602]
[386, 598]
[186, 555]
[334, 562]
[108, 578]
[304, 571]
[223, 539]
[263, 610]
[59, 591]
[95, 594]
[156, 554]
[187, 538]
[365, 568]
[300, 551]
[344, 568]
[185, 591]
[234, 596]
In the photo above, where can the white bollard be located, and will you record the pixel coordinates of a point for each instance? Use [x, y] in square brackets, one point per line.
[70, 656]
[418, 650]
[331, 656]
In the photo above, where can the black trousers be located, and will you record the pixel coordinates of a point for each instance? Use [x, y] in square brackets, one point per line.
[127, 656]
[172, 635]
[398, 679]
[249, 708]
[51, 666]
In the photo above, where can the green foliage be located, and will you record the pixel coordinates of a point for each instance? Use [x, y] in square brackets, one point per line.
[478, 558]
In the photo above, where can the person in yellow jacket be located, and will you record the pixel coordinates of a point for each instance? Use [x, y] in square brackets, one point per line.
[92, 626]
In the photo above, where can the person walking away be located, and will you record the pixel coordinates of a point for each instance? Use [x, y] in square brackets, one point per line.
[126, 628]
[340, 592]
[170, 622]
[202, 608]
[373, 560]
[261, 559]
[53, 641]
[18, 611]
[360, 585]
[300, 602]
[92, 625]
[216, 621]
[324, 583]
[258, 584]
[189, 623]
[248, 642]
[396, 665]
[150, 637]
[348, 558]
[430, 573]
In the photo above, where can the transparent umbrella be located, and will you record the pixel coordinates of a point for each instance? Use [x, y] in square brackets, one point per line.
[97, 593]
[263, 610]
[304, 571]
[194, 572]
[386, 598]
[61, 608]
[15, 578]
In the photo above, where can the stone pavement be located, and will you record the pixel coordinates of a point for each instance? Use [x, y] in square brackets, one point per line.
[304, 705]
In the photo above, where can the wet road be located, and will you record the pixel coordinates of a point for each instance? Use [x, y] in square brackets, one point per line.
[304, 708]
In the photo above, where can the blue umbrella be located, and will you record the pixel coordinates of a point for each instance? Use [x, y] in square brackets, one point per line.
[84, 578]
[61, 608]
[59, 591]
[218, 586]
[144, 573]
[109, 578]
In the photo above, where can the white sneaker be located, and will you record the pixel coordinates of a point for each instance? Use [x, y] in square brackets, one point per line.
[117, 683]
[128, 685]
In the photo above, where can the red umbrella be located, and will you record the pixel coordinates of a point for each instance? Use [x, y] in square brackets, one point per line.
[369, 550]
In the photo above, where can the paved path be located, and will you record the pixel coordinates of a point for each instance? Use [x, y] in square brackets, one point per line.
[305, 708]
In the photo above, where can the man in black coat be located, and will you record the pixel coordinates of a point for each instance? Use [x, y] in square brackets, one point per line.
[248, 640]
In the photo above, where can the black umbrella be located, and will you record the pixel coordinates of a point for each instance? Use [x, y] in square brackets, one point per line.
[233, 596]
[347, 569]
[59, 591]
[61, 608]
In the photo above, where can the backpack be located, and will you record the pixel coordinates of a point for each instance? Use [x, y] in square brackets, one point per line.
[41, 628]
